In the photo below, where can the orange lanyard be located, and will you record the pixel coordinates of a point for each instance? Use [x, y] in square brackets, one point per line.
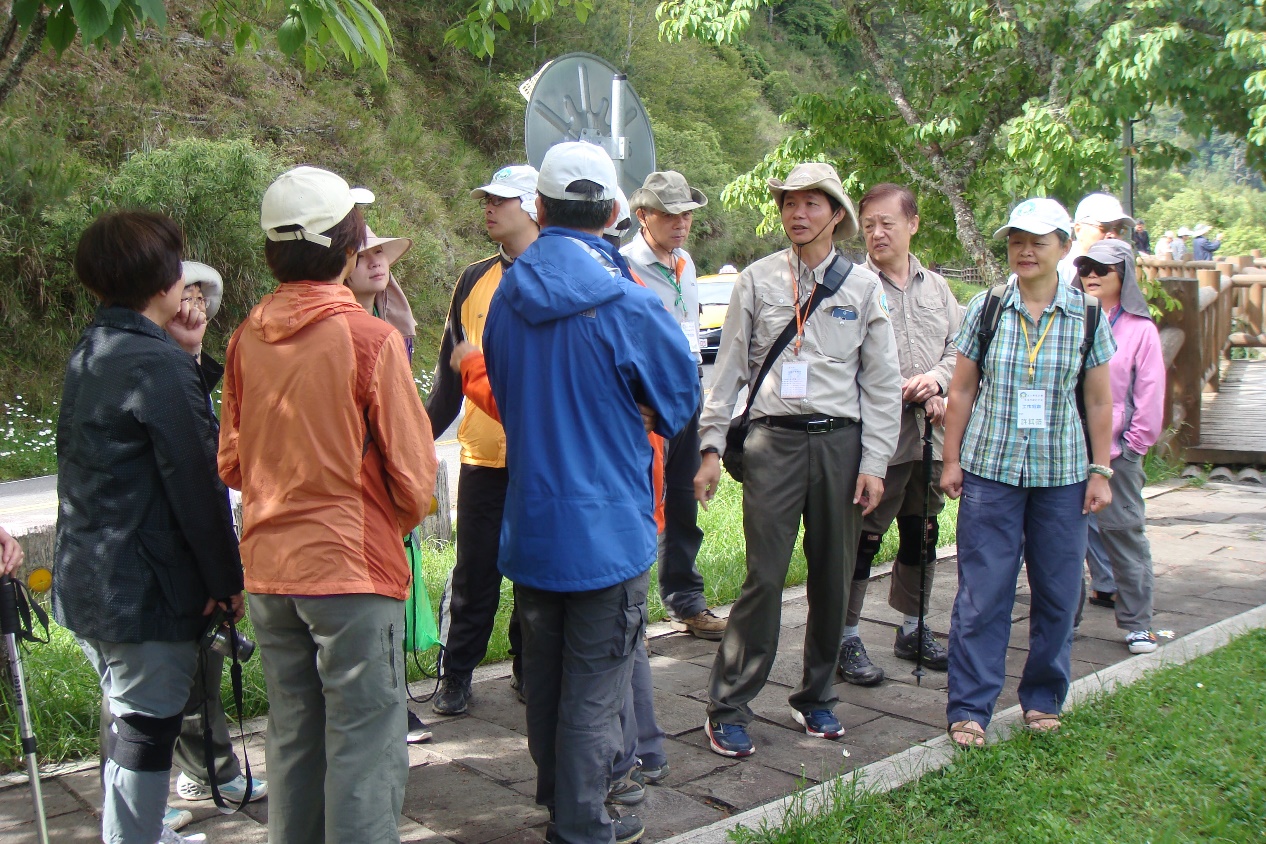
[795, 301]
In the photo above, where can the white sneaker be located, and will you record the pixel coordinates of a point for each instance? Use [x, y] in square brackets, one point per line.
[170, 836]
[174, 819]
[231, 791]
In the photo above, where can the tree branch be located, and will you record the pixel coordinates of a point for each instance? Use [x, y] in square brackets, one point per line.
[883, 68]
[30, 45]
[6, 37]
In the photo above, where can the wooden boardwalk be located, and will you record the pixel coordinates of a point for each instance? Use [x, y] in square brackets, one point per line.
[1233, 420]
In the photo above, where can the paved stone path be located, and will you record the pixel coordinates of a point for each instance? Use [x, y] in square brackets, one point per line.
[474, 783]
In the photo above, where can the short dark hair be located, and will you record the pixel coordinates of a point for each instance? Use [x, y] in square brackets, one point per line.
[583, 214]
[301, 260]
[127, 257]
[883, 190]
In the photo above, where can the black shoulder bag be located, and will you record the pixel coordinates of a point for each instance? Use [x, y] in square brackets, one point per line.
[736, 437]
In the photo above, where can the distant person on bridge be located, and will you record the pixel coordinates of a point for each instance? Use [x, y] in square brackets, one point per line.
[1117, 539]
[1203, 245]
[1142, 240]
[1179, 245]
[1016, 452]
[325, 435]
[925, 317]
[825, 424]
[665, 207]
[473, 592]
[145, 547]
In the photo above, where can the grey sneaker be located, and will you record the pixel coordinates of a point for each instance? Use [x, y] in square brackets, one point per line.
[170, 836]
[453, 696]
[650, 774]
[628, 828]
[626, 791]
[935, 655]
[855, 666]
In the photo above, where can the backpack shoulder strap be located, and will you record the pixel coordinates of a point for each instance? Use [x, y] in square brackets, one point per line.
[990, 318]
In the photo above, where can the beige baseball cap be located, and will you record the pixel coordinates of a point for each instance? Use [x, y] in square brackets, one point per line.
[667, 191]
[817, 175]
[313, 199]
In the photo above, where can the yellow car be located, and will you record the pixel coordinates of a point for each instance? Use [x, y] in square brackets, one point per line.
[714, 299]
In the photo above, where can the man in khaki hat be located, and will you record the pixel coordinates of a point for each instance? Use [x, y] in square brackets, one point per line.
[665, 207]
[825, 423]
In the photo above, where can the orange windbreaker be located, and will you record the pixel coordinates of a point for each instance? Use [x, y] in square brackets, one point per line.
[323, 432]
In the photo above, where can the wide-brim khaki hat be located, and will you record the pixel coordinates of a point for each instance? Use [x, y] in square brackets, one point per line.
[667, 191]
[392, 247]
[817, 175]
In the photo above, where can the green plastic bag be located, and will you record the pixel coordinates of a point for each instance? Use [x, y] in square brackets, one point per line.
[420, 632]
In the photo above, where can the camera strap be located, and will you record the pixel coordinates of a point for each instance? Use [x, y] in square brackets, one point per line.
[208, 747]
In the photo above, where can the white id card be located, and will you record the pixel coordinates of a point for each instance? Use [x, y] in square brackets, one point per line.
[691, 330]
[1032, 409]
[795, 379]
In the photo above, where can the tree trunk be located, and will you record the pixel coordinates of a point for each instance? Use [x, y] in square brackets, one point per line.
[970, 237]
[30, 45]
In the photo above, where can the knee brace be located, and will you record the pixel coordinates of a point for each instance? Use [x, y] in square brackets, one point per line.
[908, 527]
[867, 548]
[145, 743]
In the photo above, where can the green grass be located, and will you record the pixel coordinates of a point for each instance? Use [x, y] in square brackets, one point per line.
[65, 696]
[1175, 757]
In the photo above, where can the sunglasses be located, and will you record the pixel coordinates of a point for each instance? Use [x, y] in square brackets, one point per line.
[1089, 268]
[496, 201]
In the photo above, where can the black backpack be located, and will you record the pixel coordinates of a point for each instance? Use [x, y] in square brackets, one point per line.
[991, 317]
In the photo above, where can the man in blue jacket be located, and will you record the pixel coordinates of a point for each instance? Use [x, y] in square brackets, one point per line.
[577, 353]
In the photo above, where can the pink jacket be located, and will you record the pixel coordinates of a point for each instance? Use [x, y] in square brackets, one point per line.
[1138, 382]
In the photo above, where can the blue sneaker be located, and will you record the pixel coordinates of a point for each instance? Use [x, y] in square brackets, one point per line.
[729, 739]
[820, 723]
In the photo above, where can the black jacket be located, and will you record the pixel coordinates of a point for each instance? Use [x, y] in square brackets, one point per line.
[144, 533]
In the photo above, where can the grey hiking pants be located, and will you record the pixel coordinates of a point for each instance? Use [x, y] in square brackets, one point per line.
[337, 759]
[1122, 528]
[790, 475]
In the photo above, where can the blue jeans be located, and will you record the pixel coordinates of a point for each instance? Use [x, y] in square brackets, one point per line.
[998, 525]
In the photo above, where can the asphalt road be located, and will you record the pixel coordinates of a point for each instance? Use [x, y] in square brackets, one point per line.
[31, 504]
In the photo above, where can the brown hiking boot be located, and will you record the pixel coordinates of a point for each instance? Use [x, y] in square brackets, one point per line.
[703, 624]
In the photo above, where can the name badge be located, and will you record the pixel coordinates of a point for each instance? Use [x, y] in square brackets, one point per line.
[691, 330]
[1032, 409]
[795, 379]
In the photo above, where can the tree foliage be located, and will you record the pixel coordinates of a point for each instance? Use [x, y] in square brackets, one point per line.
[477, 32]
[355, 28]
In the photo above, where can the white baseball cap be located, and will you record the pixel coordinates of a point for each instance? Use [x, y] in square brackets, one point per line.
[572, 161]
[1037, 216]
[313, 199]
[1101, 209]
[622, 219]
[516, 180]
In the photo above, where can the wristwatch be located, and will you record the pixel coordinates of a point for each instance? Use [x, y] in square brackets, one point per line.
[1097, 469]
[710, 450]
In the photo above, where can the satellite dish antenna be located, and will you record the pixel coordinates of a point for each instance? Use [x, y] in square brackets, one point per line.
[580, 97]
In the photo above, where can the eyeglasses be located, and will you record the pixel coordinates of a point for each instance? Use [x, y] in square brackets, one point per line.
[199, 302]
[1089, 268]
[495, 201]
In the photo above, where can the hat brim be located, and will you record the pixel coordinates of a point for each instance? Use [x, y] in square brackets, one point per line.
[645, 198]
[848, 226]
[506, 191]
[1032, 228]
[392, 247]
[210, 280]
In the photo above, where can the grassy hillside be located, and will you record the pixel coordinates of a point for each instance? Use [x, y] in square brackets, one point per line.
[183, 124]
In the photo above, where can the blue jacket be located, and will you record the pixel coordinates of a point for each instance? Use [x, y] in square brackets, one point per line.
[571, 350]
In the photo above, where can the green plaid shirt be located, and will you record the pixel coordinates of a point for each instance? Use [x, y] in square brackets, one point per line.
[994, 446]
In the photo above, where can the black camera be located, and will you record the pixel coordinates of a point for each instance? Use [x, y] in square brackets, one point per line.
[217, 638]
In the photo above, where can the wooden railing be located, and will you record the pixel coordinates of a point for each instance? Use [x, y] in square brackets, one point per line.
[1220, 308]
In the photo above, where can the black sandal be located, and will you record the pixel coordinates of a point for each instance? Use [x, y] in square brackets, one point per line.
[1107, 600]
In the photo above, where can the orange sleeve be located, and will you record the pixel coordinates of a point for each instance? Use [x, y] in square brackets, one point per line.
[657, 479]
[403, 433]
[475, 384]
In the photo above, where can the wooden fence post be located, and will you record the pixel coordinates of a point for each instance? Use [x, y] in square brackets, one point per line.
[1187, 371]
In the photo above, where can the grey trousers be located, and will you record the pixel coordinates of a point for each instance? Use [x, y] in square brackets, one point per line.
[1122, 528]
[643, 737]
[790, 475]
[145, 678]
[337, 759]
[190, 753]
[577, 661]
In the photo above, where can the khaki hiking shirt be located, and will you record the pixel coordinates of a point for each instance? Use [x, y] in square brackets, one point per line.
[847, 342]
[925, 318]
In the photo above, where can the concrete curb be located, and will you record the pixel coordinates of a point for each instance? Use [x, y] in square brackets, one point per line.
[899, 769]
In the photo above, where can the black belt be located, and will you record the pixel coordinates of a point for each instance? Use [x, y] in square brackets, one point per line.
[808, 424]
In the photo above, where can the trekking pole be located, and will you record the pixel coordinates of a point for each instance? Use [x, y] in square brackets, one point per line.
[10, 626]
[923, 542]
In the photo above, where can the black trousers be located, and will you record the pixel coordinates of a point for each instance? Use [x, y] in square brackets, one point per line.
[476, 580]
[680, 584]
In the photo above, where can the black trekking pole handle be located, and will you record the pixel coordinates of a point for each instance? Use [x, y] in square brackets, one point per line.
[9, 619]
